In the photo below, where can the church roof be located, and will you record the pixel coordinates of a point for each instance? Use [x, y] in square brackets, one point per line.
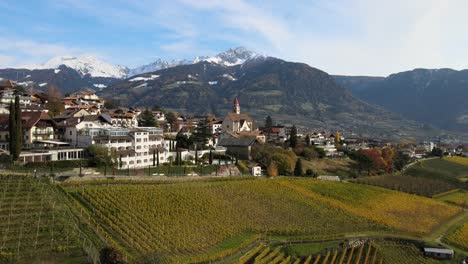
[239, 117]
[236, 101]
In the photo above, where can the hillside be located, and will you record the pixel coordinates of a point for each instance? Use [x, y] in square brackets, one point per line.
[434, 97]
[265, 86]
[159, 219]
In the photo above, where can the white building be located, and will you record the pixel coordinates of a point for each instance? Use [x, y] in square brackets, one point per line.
[133, 148]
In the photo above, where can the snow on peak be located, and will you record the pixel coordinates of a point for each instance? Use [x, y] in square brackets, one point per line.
[231, 57]
[87, 65]
[157, 65]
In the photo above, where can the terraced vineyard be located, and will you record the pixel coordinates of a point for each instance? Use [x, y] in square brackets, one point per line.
[365, 253]
[191, 221]
[35, 224]
[460, 236]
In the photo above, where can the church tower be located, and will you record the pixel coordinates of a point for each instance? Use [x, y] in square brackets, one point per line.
[236, 106]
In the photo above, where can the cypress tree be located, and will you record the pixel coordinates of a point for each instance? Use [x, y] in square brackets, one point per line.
[298, 168]
[293, 137]
[157, 158]
[12, 131]
[211, 157]
[18, 128]
[307, 140]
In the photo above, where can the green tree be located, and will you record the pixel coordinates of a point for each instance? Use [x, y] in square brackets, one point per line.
[268, 123]
[307, 141]
[111, 255]
[363, 162]
[171, 118]
[146, 119]
[99, 156]
[298, 168]
[293, 137]
[202, 133]
[183, 141]
[401, 160]
[437, 152]
[111, 104]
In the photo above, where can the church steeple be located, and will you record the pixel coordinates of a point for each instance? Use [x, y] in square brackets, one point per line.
[236, 106]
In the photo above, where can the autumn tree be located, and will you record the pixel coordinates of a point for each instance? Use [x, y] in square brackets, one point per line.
[54, 101]
[272, 170]
[337, 138]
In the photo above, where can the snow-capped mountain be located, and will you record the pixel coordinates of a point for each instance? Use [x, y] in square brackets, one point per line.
[93, 67]
[157, 65]
[231, 57]
[87, 65]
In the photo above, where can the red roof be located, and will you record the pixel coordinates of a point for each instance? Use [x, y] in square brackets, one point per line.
[29, 119]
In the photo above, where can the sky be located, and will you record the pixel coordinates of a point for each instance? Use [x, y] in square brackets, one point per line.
[347, 37]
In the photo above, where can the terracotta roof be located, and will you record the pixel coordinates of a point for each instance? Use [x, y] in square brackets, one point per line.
[30, 119]
[7, 83]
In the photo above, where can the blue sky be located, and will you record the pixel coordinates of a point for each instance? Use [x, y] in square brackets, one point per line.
[353, 37]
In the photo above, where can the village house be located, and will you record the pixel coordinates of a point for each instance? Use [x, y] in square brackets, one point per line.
[38, 129]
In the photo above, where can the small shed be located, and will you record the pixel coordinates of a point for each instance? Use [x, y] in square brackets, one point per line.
[256, 171]
[438, 253]
[329, 178]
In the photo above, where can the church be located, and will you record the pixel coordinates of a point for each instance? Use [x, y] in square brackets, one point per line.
[237, 124]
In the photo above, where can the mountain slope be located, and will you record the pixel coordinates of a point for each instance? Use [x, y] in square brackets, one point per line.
[66, 79]
[435, 97]
[290, 92]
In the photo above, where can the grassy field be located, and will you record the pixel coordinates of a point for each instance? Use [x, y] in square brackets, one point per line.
[193, 220]
[338, 167]
[35, 224]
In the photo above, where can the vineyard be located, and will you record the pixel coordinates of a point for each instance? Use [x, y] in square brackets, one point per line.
[360, 252]
[402, 252]
[35, 224]
[450, 170]
[190, 221]
[459, 237]
[409, 184]
[459, 197]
